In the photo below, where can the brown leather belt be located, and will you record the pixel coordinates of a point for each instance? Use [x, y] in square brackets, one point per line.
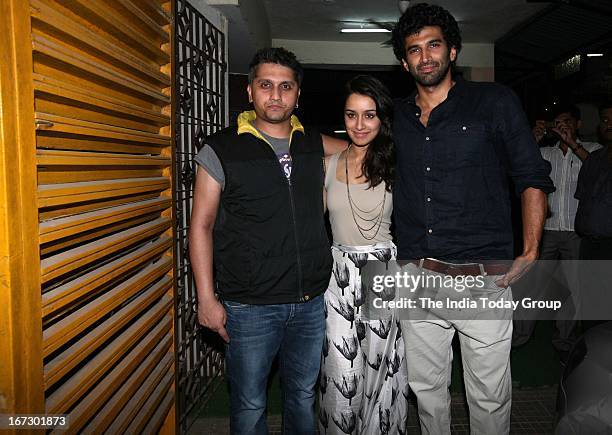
[470, 269]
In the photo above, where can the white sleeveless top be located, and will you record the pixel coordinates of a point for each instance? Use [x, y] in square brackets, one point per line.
[367, 202]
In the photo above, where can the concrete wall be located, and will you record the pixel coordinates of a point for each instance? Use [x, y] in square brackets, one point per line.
[211, 14]
[254, 14]
[249, 30]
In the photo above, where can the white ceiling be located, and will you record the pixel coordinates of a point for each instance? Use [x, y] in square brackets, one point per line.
[321, 20]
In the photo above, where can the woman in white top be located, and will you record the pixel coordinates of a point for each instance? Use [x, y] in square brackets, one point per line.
[363, 382]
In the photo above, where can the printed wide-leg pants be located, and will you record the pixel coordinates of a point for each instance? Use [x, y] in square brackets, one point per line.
[363, 382]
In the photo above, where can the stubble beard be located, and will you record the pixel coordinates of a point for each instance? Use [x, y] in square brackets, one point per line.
[431, 79]
[277, 117]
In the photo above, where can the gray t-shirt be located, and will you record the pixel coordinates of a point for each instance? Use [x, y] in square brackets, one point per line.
[209, 161]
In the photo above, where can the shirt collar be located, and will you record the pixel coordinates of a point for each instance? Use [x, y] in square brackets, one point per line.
[245, 124]
[458, 89]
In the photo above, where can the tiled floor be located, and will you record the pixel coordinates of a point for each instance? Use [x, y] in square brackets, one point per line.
[533, 412]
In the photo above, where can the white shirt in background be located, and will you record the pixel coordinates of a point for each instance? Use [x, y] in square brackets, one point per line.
[564, 173]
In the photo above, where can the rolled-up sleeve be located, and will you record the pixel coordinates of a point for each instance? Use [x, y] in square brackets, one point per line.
[523, 159]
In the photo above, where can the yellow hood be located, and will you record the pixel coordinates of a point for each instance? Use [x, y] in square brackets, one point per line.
[245, 124]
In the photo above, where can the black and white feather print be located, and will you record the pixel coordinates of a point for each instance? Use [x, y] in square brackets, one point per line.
[324, 419]
[384, 255]
[342, 276]
[362, 379]
[348, 348]
[323, 382]
[398, 334]
[360, 328]
[325, 348]
[393, 365]
[348, 386]
[345, 309]
[359, 259]
[381, 328]
[384, 419]
[386, 294]
[359, 296]
[377, 362]
[346, 421]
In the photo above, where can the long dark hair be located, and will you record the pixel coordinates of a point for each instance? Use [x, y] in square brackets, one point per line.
[379, 162]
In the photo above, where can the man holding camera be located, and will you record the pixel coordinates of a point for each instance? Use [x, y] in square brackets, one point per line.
[559, 241]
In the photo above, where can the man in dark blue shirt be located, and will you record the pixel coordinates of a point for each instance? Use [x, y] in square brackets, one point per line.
[457, 143]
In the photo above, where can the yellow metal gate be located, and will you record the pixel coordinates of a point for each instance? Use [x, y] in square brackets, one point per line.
[87, 151]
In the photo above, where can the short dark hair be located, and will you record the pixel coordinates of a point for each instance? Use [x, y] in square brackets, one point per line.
[422, 15]
[572, 109]
[379, 162]
[276, 55]
[605, 106]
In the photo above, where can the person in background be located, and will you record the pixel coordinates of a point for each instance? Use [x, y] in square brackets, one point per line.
[363, 383]
[605, 124]
[594, 225]
[559, 240]
[456, 143]
[258, 212]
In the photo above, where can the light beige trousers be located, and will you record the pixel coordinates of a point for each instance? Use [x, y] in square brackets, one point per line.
[485, 353]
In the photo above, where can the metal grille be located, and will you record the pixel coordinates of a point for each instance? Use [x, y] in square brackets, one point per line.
[200, 74]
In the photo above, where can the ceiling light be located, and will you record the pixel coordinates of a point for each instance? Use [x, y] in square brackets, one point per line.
[595, 54]
[369, 30]
[339, 131]
[403, 5]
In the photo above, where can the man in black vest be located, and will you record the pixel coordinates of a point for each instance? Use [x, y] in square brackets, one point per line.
[258, 209]
[456, 143]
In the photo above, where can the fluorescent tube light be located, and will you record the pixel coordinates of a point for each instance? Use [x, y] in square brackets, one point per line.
[594, 54]
[369, 30]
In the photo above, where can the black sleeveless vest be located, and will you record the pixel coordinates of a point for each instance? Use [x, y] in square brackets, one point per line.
[270, 242]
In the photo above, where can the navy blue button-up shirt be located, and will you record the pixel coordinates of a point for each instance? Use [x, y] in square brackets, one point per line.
[451, 198]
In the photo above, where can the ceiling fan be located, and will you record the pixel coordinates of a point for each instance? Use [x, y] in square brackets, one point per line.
[402, 5]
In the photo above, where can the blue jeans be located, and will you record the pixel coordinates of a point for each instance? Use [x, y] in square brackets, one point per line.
[257, 334]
